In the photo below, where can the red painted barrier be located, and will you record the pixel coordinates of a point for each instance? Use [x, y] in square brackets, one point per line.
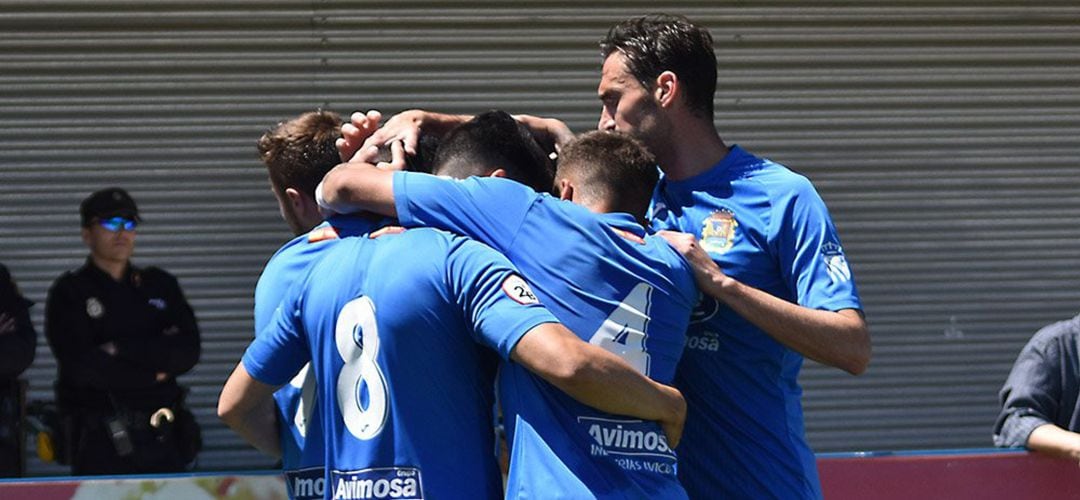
[205, 486]
[960, 475]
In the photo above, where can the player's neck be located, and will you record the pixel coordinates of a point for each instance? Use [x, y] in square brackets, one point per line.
[694, 150]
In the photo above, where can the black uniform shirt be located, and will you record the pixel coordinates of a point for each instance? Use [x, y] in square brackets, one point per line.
[16, 347]
[144, 315]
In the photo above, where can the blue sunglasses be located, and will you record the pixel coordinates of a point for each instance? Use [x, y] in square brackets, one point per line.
[117, 223]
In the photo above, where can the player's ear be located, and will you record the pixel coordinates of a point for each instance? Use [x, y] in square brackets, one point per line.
[498, 172]
[566, 189]
[301, 204]
[296, 200]
[86, 235]
[666, 89]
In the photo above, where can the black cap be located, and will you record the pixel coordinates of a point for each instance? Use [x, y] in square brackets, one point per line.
[106, 203]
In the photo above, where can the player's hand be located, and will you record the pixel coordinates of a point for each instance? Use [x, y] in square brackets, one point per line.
[552, 134]
[7, 323]
[705, 269]
[673, 425]
[405, 126]
[161, 376]
[387, 230]
[354, 133]
[397, 158]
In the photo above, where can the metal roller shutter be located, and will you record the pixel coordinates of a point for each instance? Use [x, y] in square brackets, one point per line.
[942, 135]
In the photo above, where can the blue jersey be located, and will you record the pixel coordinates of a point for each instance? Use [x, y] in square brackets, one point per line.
[610, 283]
[295, 401]
[766, 227]
[395, 328]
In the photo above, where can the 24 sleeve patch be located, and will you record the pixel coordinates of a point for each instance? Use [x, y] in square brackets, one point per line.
[517, 289]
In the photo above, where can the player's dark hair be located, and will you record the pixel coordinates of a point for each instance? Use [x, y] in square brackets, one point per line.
[660, 42]
[491, 141]
[422, 161]
[299, 152]
[611, 168]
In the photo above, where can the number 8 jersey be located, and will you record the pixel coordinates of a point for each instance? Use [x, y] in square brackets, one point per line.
[607, 281]
[395, 329]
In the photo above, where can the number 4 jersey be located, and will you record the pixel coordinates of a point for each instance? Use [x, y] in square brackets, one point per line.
[395, 328]
[608, 282]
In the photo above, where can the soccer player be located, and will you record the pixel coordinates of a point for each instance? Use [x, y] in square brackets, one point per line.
[393, 327]
[297, 153]
[593, 265]
[766, 254]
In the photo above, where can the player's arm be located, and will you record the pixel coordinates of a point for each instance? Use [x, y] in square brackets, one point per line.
[278, 352]
[247, 407]
[599, 378]
[363, 134]
[355, 187]
[834, 338]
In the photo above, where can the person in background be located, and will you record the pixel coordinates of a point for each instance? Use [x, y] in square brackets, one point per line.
[17, 342]
[121, 335]
[1040, 401]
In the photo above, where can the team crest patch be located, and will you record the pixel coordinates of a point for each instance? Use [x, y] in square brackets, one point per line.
[835, 262]
[94, 308]
[718, 231]
[517, 289]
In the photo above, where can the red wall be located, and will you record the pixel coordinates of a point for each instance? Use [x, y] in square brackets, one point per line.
[959, 475]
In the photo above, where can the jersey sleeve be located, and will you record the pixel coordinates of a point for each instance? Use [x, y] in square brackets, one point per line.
[279, 351]
[810, 255]
[489, 210]
[499, 306]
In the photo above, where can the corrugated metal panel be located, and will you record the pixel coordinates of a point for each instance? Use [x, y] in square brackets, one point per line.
[942, 135]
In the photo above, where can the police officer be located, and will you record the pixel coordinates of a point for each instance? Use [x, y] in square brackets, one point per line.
[121, 334]
[17, 342]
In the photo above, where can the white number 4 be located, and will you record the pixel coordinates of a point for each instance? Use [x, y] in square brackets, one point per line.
[623, 332]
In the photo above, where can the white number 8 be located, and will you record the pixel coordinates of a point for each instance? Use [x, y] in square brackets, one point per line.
[357, 338]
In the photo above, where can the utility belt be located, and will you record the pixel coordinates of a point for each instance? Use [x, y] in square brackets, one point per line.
[146, 435]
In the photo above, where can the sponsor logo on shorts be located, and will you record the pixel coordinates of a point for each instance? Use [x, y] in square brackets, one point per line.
[306, 484]
[398, 483]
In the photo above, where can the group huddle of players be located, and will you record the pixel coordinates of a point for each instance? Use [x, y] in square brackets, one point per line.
[537, 293]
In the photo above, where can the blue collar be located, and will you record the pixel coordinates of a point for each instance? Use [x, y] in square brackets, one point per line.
[625, 222]
[353, 224]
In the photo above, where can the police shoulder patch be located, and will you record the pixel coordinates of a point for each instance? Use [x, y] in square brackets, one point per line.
[517, 289]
